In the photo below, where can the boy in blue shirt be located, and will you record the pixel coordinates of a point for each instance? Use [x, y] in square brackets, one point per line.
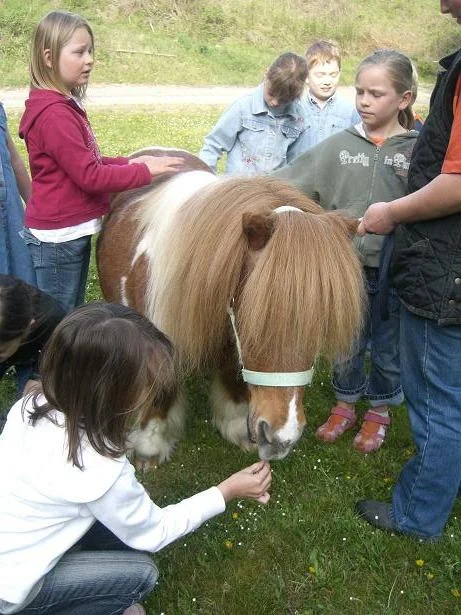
[326, 112]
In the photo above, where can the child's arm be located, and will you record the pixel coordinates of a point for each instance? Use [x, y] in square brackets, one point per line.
[130, 514]
[64, 141]
[19, 168]
[222, 138]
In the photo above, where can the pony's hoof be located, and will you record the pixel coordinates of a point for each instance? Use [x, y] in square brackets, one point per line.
[145, 464]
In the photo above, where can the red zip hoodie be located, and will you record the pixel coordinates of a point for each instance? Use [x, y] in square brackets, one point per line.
[71, 181]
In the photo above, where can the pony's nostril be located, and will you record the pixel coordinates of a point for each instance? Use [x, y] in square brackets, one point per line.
[265, 433]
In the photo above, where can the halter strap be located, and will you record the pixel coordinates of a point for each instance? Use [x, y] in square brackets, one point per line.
[268, 379]
[278, 379]
[284, 208]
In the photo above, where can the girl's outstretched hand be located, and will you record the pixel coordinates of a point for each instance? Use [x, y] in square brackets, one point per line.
[252, 482]
[160, 164]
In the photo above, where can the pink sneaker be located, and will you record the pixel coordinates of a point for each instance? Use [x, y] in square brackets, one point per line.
[340, 420]
[135, 609]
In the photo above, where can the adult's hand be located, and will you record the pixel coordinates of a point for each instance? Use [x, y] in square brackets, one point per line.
[377, 219]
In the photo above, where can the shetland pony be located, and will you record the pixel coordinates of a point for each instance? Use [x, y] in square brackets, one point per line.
[239, 273]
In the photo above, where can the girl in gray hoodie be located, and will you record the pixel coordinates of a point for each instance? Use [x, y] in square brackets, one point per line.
[361, 165]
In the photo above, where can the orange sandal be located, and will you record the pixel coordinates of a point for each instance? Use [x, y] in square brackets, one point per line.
[372, 432]
[339, 421]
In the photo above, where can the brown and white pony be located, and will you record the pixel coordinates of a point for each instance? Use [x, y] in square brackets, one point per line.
[238, 272]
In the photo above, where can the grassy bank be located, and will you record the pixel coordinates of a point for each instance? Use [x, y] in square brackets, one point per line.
[227, 43]
[305, 553]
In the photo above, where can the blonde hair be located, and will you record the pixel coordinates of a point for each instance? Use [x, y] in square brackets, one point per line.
[53, 32]
[322, 51]
[402, 74]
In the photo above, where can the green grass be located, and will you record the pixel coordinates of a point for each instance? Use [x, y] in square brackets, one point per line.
[305, 553]
[203, 42]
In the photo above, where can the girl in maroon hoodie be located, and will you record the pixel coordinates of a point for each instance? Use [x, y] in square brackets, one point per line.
[71, 181]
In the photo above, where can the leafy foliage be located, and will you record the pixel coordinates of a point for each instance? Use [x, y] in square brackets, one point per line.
[230, 42]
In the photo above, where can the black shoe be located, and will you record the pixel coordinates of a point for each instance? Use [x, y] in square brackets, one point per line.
[376, 513]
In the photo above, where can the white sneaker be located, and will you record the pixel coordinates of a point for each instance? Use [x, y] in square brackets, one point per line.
[135, 609]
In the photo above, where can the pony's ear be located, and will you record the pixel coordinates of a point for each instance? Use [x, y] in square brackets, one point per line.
[258, 229]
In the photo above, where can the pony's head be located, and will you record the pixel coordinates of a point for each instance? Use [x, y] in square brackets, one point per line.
[300, 296]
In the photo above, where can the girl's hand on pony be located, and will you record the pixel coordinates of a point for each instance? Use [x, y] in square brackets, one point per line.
[160, 164]
[252, 482]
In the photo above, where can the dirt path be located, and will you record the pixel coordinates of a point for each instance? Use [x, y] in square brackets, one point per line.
[133, 95]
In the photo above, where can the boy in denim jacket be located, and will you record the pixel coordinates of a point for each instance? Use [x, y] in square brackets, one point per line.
[260, 132]
[326, 112]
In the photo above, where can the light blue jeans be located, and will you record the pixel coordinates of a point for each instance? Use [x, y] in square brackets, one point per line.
[381, 386]
[431, 376]
[99, 576]
[61, 268]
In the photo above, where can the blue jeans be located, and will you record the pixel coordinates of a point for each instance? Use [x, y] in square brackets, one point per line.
[99, 576]
[382, 384]
[429, 482]
[61, 268]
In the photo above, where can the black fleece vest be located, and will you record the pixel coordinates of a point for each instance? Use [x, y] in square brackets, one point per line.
[426, 264]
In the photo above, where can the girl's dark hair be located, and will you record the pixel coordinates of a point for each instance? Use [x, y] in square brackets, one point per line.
[18, 303]
[103, 362]
[402, 74]
[287, 76]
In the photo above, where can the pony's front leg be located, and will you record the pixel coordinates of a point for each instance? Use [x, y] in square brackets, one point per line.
[153, 441]
[229, 403]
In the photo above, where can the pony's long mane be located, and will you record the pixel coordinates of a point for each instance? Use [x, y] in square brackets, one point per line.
[304, 295]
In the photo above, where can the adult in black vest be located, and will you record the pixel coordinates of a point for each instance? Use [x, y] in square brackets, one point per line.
[426, 269]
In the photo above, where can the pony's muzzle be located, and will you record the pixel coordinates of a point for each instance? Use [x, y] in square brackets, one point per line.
[270, 446]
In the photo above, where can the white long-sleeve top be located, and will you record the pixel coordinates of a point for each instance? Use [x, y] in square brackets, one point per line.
[47, 504]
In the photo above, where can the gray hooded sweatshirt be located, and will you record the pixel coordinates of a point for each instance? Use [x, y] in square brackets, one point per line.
[348, 172]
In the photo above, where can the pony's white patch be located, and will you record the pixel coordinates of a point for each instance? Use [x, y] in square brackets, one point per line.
[169, 198]
[157, 216]
[160, 436]
[290, 431]
[228, 417]
[283, 208]
[140, 249]
[123, 297]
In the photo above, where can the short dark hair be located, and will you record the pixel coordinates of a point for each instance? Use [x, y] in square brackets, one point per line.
[17, 307]
[103, 362]
[287, 76]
